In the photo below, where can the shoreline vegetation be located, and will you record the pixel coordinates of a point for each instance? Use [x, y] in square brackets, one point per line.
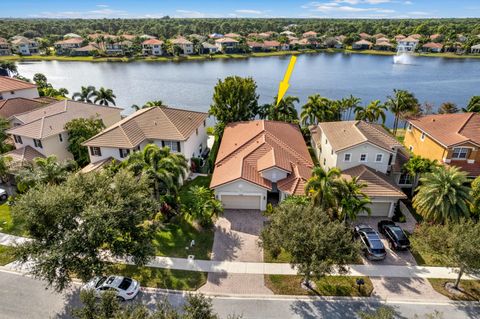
[220, 56]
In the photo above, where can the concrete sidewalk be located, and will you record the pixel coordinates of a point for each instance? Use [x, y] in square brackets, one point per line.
[234, 267]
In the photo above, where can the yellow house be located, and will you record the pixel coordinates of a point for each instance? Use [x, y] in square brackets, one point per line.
[452, 139]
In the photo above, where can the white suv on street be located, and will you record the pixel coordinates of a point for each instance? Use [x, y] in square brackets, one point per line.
[125, 288]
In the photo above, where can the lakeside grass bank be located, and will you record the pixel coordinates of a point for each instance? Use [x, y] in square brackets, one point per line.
[220, 56]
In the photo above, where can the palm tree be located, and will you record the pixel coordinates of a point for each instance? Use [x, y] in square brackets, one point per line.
[473, 104]
[448, 108]
[372, 113]
[285, 110]
[317, 109]
[164, 169]
[442, 195]
[104, 96]
[154, 103]
[85, 94]
[8, 68]
[352, 200]
[322, 187]
[400, 104]
[349, 104]
[416, 166]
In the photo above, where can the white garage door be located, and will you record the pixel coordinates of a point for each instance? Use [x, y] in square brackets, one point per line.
[380, 209]
[240, 202]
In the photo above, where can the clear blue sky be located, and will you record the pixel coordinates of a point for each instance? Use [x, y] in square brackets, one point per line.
[232, 8]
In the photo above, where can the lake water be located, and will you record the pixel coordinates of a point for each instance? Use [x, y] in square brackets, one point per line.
[190, 84]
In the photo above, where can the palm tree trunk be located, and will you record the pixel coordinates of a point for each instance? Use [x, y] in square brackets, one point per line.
[457, 282]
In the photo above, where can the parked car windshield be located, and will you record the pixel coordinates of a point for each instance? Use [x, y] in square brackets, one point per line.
[125, 284]
[100, 282]
[398, 233]
[376, 244]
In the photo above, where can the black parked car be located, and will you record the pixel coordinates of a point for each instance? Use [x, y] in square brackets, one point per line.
[394, 234]
[373, 246]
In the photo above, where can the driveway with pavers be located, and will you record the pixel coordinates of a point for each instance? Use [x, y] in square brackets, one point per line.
[237, 239]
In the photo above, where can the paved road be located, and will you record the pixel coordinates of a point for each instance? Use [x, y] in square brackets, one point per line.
[23, 297]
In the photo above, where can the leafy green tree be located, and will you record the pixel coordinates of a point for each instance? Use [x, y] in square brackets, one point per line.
[79, 130]
[473, 105]
[448, 108]
[104, 97]
[234, 99]
[318, 245]
[416, 166]
[72, 225]
[9, 67]
[163, 169]
[202, 205]
[85, 94]
[4, 168]
[4, 145]
[352, 200]
[372, 113]
[46, 89]
[475, 203]
[442, 195]
[402, 102]
[458, 244]
[322, 187]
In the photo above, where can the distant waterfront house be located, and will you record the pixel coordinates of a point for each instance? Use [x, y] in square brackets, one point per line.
[43, 129]
[265, 35]
[408, 44]
[226, 45]
[255, 46]
[87, 50]
[152, 47]
[362, 45]
[232, 35]
[383, 45]
[432, 47]
[367, 151]
[5, 48]
[275, 45]
[182, 131]
[475, 49]
[24, 46]
[260, 162]
[453, 139]
[117, 48]
[209, 48]
[185, 45]
[12, 88]
[379, 36]
[68, 45]
[364, 36]
[310, 34]
[436, 37]
[399, 37]
[416, 36]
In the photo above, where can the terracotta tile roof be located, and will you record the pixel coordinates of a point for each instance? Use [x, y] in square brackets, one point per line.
[363, 42]
[23, 40]
[226, 40]
[152, 41]
[271, 44]
[377, 184]
[18, 105]
[22, 156]
[3, 41]
[233, 35]
[93, 167]
[432, 45]
[345, 134]
[181, 41]
[450, 129]
[89, 47]
[309, 34]
[8, 84]
[250, 147]
[364, 35]
[161, 123]
[408, 39]
[69, 41]
[472, 169]
[50, 120]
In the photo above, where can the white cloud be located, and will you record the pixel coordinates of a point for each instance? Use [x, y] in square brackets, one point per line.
[192, 14]
[419, 13]
[331, 7]
[102, 5]
[408, 2]
[248, 11]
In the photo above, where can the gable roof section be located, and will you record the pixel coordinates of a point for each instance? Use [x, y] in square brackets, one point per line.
[346, 134]
[247, 148]
[161, 123]
[18, 105]
[377, 184]
[450, 129]
[23, 155]
[8, 84]
[51, 119]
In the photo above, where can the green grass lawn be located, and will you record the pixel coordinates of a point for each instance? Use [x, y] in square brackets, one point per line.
[471, 288]
[6, 255]
[162, 278]
[7, 224]
[283, 257]
[327, 286]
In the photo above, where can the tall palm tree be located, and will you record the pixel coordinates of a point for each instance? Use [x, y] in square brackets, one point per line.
[448, 108]
[85, 94]
[400, 104]
[350, 103]
[9, 68]
[317, 109]
[372, 113]
[417, 166]
[352, 200]
[154, 103]
[104, 96]
[322, 187]
[285, 110]
[442, 195]
[473, 104]
[164, 169]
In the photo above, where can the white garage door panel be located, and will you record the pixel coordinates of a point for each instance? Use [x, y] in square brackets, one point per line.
[380, 209]
[240, 202]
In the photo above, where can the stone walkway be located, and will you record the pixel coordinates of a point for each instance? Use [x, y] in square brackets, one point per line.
[236, 240]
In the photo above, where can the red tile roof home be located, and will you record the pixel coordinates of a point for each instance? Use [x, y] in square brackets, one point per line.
[248, 148]
[152, 42]
[309, 34]
[409, 39]
[18, 105]
[379, 36]
[271, 44]
[22, 156]
[3, 41]
[69, 41]
[181, 41]
[233, 35]
[363, 42]
[226, 40]
[364, 35]
[416, 36]
[432, 45]
[253, 44]
[450, 129]
[8, 84]
[435, 36]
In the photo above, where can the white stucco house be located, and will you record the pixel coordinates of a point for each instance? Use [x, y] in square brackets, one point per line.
[260, 162]
[43, 129]
[24, 46]
[368, 151]
[13, 88]
[152, 47]
[185, 45]
[182, 131]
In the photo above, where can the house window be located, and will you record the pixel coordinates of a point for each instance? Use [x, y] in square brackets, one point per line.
[123, 152]
[95, 151]
[18, 139]
[324, 161]
[173, 145]
[60, 137]
[12, 92]
[405, 179]
[363, 157]
[379, 158]
[410, 148]
[137, 148]
[326, 141]
[1, 97]
[37, 143]
[409, 127]
[422, 137]
[460, 153]
[347, 157]
[196, 131]
[204, 123]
